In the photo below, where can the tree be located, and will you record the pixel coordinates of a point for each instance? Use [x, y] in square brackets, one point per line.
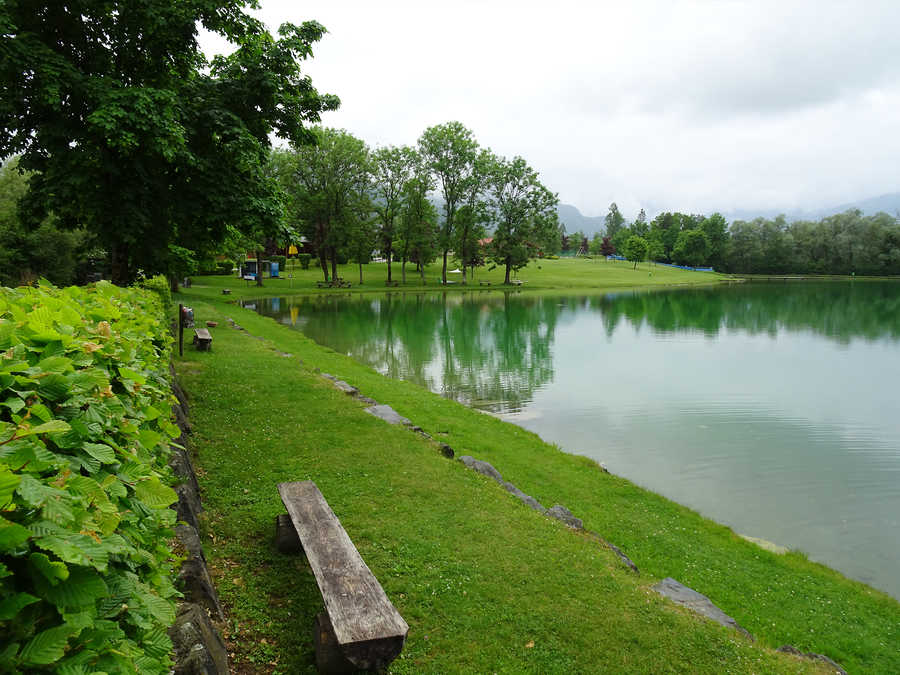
[636, 249]
[596, 244]
[27, 253]
[691, 248]
[472, 217]
[525, 213]
[614, 220]
[640, 226]
[327, 191]
[418, 222]
[392, 168]
[607, 248]
[715, 227]
[665, 229]
[449, 151]
[134, 135]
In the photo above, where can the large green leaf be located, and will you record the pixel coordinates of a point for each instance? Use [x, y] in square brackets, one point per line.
[53, 571]
[47, 646]
[13, 604]
[100, 452]
[82, 589]
[12, 535]
[51, 427]
[8, 483]
[154, 494]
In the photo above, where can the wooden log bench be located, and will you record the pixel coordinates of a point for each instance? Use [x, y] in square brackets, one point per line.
[360, 629]
[202, 339]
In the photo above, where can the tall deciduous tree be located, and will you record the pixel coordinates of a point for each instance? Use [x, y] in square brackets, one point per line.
[635, 249]
[691, 248]
[392, 168]
[327, 191]
[417, 234]
[525, 212]
[132, 133]
[614, 221]
[449, 151]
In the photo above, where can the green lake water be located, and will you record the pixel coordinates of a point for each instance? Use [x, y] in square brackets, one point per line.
[771, 408]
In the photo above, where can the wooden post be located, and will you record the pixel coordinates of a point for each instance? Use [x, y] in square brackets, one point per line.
[180, 330]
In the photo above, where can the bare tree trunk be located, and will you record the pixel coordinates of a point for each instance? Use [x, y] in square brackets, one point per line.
[334, 275]
[360, 274]
[388, 256]
[323, 262]
[506, 281]
[173, 284]
[444, 271]
[403, 270]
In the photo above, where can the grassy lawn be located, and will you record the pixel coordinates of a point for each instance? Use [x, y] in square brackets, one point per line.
[486, 584]
[579, 274]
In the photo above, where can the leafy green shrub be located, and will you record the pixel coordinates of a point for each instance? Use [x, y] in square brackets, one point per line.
[160, 285]
[85, 570]
[304, 259]
[224, 267]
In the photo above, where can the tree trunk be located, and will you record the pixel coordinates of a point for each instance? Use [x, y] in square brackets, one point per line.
[444, 272]
[258, 269]
[464, 274]
[422, 274]
[388, 256]
[403, 270]
[334, 276]
[173, 284]
[506, 281]
[119, 265]
[323, 262]
[360, 274]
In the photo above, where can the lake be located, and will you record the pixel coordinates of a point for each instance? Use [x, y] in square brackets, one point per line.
[770, 407]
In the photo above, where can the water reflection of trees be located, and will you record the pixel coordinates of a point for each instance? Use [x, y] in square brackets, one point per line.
[836, 310]
[480, 349]
[496, 352]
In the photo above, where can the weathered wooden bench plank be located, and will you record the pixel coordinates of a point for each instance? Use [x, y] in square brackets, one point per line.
[202, 339]
[367, 627]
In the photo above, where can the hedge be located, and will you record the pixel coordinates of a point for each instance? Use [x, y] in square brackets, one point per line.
[85, 402]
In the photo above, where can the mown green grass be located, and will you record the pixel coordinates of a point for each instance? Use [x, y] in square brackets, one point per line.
[565, 273]
[478, 576]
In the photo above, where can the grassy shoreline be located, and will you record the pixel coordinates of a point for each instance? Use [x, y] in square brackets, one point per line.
[478, 576]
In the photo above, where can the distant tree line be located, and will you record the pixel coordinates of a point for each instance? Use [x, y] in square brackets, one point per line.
[844, 243]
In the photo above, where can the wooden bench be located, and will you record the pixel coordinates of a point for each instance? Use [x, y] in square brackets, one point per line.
[361, 628]
[517, 282]
[202, 339]
[484, 283]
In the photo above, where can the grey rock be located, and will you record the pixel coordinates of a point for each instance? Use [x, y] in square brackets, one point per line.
[367, 400]
[190, 539]
[199, 649]
[812, 656]
[387, 413]
[188, 505]
[526, 499]
[697, 602]
[445, 449]
[481, 467]
[348, 389]
[328, 376]
[563, 515]
[194, 581]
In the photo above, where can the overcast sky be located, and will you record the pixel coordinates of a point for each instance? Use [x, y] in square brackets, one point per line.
[691, 106]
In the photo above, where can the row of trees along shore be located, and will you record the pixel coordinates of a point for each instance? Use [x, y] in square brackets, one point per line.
[349, 200]
[843, 243]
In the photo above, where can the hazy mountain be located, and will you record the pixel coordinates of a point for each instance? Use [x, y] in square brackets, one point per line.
[574, 220]
[889, 203]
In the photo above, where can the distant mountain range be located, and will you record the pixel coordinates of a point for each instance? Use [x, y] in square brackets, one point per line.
[574, 220]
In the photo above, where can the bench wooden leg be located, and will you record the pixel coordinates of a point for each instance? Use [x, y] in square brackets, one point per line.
[329, 657]
[286, 539]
